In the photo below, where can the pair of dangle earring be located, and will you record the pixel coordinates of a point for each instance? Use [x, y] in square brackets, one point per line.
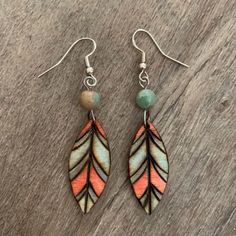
[89, 162]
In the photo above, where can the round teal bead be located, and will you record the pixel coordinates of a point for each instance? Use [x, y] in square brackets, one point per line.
[146, 98]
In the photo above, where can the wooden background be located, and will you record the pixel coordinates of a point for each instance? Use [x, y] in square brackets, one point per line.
[195, 114]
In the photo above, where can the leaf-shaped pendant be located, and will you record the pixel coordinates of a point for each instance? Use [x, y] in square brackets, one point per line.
[89, 165]
[148, 166]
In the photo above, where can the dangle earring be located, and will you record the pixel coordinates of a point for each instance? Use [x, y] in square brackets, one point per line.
[148, 160]
[89, 162]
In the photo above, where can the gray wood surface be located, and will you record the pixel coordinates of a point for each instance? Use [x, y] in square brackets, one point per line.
[195, 114]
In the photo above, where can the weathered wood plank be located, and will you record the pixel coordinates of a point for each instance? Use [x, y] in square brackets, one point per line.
[195, 114]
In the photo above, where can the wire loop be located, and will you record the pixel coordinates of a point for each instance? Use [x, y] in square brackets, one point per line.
[145, 117]
[144, 79]
[91, 115]
[90, 81]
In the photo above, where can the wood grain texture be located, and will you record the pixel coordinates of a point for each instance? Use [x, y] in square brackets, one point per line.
[195, 114]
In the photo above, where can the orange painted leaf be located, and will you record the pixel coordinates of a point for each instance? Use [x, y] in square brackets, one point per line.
[89, 165]
[148, 167]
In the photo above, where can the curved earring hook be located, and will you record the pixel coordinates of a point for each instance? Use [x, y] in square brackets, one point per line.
[86, 59]
[158, 47]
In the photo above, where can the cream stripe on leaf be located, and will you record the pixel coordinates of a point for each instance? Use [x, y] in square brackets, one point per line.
[159, 143]
[159, 156]
[101, 154]
[136, 160]
[99, 170]
[81, 140]
[136, 144]
[104, 141]
[139, 172]
[78, 154]
[78, 167]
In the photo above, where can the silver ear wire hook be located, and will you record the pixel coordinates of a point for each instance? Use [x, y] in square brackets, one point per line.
[86, 59]
[158, 47]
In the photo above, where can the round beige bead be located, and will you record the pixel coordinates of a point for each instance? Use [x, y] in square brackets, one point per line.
[89, 100]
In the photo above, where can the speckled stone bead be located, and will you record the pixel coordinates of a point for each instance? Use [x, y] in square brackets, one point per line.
[146, 98]
[89, 100]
